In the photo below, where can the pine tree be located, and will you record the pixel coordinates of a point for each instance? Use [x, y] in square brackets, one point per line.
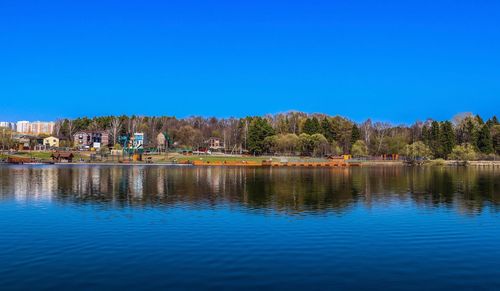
[355, 133]
[435, 140]
[479, 119]
[494, 120]
[470, 132]
[316, 125]
[425, 135]
[327, 129]
[484, 141]
[495, 136]
[258, 130]
[311, 126]
[447, 138]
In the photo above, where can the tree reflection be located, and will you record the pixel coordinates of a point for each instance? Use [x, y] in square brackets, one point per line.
[286, 190]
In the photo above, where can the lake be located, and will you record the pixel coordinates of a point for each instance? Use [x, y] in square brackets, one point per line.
[86, 227]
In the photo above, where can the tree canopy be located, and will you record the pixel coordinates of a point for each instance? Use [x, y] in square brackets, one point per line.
[294, 133]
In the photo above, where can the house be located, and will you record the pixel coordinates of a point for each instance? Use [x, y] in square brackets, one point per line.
[38, 144]
[215, 144]
[25, 142]
[62, 157]
[138, 141]
[51, 142]
[90, 139]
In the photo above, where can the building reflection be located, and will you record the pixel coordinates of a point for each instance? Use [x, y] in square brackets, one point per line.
[289, 191]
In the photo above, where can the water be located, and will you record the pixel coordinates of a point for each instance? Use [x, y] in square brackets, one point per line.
[156, 227]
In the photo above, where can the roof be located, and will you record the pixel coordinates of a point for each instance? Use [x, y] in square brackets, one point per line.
[64, 155]
[90, 132]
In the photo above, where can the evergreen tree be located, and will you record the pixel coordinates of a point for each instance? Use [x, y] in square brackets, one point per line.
[327, 130]
[479, 120]
[258, 130]
[484, 142]
[355, 133]
[470, 132]
[495, 136]
[447, 138]
[311, 126]
[426, 135]
[492, 122]
[435, 139]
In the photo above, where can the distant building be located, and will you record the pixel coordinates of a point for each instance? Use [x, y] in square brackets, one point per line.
[41, 127]
[51, 142]
[23, 126]
[91, 139]
[138, 140]
[25, 141]
[9, 125]
[215, 144]
[36, 127]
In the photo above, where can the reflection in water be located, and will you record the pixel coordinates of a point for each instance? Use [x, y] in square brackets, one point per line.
[304, 191]
[92, 227]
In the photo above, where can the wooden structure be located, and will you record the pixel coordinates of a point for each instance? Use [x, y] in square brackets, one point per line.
[227, 163]
[19, 160]
[62, 157]
[329, 164]
[267, 163]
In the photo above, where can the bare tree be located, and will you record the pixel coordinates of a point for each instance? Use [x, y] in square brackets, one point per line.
[366, 129]
[381, 129]
[57, 127]
[116, 125]
[71, 127]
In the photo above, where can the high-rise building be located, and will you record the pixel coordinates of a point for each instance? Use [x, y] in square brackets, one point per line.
[41, 127]
[36, 127]
[23, 126]
[9, 125]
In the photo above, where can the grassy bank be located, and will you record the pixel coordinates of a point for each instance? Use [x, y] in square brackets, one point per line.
[179, 158]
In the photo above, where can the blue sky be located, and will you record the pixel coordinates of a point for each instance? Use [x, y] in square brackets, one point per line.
[395, 61]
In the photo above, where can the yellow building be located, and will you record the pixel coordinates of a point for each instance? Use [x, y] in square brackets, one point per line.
[51, 142]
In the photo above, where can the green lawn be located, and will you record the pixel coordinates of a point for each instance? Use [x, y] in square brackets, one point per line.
[44, 155]
[36, 155]
[172, 157]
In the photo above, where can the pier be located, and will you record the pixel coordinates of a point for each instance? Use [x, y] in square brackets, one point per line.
[265, 163]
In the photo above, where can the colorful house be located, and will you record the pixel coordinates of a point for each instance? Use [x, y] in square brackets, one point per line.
[51, 142]
[90, 139]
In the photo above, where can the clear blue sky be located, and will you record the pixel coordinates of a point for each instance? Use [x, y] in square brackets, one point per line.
[390, 60]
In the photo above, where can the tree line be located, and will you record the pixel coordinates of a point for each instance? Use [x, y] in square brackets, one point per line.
[298, 133]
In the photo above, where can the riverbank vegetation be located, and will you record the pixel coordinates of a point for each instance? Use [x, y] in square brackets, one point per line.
[465, 136]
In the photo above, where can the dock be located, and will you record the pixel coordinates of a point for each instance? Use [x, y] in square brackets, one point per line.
[269, 164]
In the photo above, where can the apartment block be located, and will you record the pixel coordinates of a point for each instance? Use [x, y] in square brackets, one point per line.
[23, 126]
[9, 125]
[41, 127]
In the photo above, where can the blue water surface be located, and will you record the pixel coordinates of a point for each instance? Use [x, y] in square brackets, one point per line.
[157, 227]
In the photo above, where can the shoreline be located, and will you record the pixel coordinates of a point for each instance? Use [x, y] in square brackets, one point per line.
[488, 164]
